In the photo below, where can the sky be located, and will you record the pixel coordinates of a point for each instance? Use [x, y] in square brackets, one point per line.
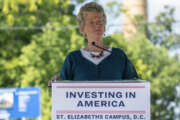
[154, 8]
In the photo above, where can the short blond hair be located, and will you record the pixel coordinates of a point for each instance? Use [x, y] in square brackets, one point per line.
[90, 7]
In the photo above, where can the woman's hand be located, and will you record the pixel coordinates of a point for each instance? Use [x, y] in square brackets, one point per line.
[54, 79]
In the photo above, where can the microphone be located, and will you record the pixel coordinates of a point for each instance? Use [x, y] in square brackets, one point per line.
[94, 44]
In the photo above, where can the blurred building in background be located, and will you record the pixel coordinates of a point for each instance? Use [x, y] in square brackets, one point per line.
[135, 13]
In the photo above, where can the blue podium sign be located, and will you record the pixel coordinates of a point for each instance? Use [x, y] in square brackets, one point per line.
[20, 102]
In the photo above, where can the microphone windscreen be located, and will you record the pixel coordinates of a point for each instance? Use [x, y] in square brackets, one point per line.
[93, 43]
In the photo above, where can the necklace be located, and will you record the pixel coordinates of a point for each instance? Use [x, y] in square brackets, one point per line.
[101, 54]
[95, 55]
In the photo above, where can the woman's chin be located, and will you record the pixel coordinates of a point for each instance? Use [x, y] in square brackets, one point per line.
[98, 36]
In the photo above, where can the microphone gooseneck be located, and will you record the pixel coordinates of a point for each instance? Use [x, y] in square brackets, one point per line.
[94, 44]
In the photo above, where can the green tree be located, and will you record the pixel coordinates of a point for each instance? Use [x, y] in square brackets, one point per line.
[150, 55]
[30, 57]
[153, 64]
[20, 20]
[161, 32]
[43, 58]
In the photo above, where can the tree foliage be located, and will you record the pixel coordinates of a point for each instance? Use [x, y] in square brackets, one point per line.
[20, 21]
[30, 57]
[162, 32]
[153, 64]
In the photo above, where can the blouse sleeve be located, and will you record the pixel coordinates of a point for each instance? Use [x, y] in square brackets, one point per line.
[66, 70]
[129, 71]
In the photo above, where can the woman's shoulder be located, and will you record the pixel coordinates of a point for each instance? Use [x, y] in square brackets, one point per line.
[74, 53]
[118, 51]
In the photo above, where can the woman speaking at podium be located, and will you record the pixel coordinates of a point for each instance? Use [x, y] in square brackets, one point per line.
[96, 61]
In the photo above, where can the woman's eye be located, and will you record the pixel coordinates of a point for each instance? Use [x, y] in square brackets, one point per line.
[91, 22]
[100, 22]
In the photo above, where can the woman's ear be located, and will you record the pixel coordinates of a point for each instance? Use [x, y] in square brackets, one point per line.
[82, 30]
[104, 28]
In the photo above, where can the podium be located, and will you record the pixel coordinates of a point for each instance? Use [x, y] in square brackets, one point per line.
[101, 100]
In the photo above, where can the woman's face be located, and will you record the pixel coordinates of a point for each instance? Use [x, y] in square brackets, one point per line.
[94, 26]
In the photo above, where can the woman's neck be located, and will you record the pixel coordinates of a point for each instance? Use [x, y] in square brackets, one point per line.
[90, 47]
